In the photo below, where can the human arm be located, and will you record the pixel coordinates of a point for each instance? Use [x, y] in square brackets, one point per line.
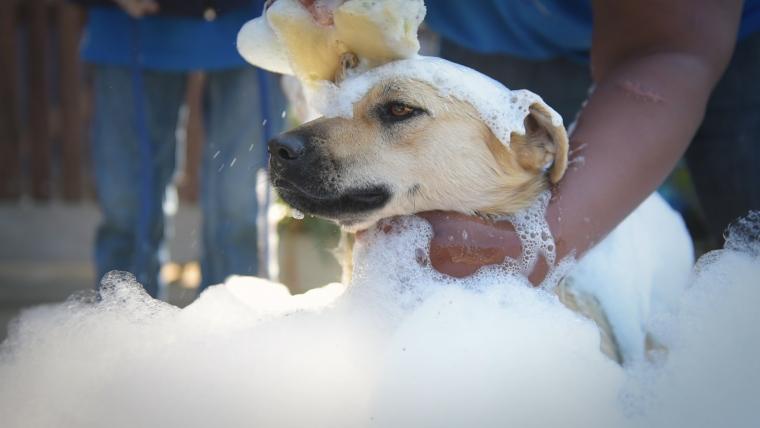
[654, 64]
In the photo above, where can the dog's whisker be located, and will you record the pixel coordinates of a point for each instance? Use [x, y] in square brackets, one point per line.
[577, 149]
[576, 161]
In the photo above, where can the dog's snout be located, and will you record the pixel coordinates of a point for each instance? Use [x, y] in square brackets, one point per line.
[287, 146]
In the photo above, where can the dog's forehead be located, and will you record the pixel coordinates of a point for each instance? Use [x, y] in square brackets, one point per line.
[396, 85]
[402, 89]
[501, 109]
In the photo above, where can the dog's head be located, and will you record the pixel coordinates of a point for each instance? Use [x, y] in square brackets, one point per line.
[407, 148]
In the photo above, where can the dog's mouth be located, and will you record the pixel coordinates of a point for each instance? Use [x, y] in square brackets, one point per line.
[348, 208]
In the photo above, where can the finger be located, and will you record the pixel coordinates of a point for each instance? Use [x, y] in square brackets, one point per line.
[447, 260]
[386, 226]
[132, 9]
[422, 257]
[389, 225]
[149, 7]
[446, 220]
[138, 8]
[539, 272]
[322, 13]
[439, 216]
[128, 6]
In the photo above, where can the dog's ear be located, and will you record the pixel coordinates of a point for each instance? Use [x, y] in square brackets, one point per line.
[544, 146]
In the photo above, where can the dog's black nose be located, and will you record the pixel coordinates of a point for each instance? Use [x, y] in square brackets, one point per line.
[286, 147]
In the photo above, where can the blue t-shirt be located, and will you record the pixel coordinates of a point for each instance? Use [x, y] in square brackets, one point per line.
[532, 29]
[165, 43]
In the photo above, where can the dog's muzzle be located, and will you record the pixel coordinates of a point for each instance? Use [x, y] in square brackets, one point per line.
[287, 148]
[305, 177]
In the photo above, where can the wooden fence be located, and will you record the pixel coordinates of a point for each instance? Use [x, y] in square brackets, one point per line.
[45, 104]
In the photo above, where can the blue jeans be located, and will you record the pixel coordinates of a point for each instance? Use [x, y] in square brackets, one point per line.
[232, 155]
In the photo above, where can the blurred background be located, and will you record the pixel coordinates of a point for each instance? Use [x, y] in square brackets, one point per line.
[48, 213]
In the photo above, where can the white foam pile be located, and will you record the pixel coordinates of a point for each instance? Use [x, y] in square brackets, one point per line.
[401, 348]
[711, 375]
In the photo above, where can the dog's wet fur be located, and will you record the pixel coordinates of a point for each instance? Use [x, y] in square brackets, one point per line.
[408, 149]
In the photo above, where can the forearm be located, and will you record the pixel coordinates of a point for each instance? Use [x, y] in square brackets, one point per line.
[655, 63]
[636, 125]
[634, 128]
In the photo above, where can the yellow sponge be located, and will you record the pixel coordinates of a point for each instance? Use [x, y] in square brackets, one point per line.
[288, 39]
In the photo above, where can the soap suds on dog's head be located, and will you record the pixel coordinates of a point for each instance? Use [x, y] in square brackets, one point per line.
[402, 347]
[501, 109]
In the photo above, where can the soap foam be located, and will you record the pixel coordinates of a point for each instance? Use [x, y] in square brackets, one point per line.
[536, 241]
[308, 40]
[403, 346]
[248, 354]
[711, 374]
[503, 110]
[258, 44]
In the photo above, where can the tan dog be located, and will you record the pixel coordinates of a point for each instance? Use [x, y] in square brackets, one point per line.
[423, 134]
[408, 149]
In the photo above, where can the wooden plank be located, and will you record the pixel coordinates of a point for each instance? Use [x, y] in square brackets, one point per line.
[70, 23]
[10, 126]
[38, 92]
[88, 105]
[189, 179]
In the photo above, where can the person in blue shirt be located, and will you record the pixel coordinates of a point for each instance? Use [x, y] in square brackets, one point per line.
[142, 52]
[643, 80]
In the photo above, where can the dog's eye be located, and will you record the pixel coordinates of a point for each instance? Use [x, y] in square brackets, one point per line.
[396, 112]
[399, 110]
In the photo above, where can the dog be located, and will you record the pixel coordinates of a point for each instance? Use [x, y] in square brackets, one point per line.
[400, 144]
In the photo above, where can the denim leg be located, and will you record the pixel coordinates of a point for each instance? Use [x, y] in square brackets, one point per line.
[724, 158]
[118, 167]
[233, 153]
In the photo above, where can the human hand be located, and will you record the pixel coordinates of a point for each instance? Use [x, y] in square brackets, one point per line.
[322, 11]
[138, 8]
[463, 244]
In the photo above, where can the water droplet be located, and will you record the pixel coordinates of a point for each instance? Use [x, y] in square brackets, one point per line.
[298, 215]
[284, 113]
[233, 162]
[216, 154]
[264, 122]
